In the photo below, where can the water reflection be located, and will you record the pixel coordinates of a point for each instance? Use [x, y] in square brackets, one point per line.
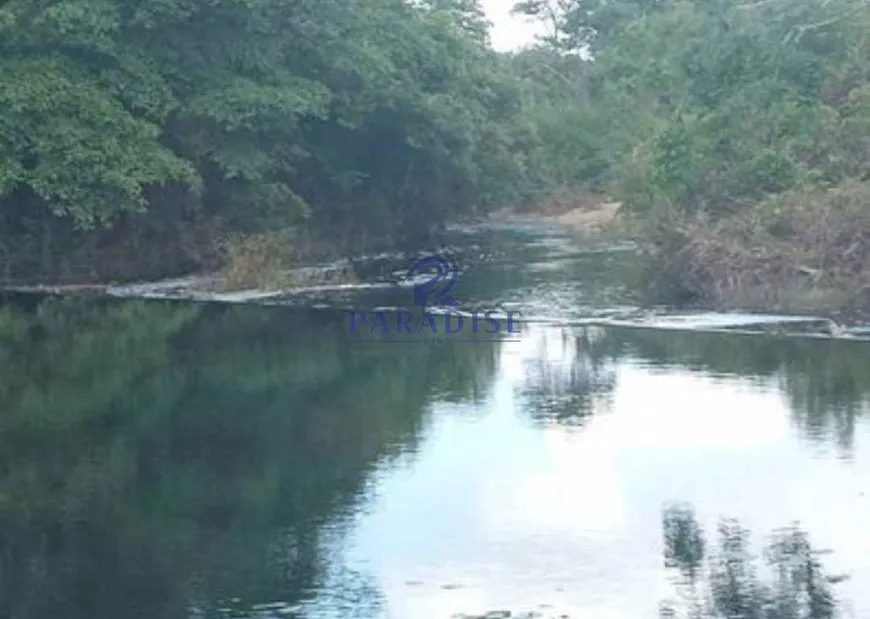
[566, 380]
[569, 373]
[159, 457]
[172, 460]
[827, 382]
[726, 581]
[560, 516]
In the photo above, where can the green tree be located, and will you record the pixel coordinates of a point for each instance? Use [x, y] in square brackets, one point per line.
[365, 122]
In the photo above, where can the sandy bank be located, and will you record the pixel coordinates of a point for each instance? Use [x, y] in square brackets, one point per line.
[575, 213]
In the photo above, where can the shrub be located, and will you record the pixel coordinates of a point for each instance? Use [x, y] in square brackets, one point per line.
[258, 260]
[790, 252]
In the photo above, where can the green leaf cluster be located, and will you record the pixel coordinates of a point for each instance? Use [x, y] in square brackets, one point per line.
[380, 116]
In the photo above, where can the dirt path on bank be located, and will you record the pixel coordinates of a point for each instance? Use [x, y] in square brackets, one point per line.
[585, 219]
[576, 214]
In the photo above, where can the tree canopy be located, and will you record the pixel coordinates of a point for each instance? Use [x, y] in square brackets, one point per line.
[365, 118]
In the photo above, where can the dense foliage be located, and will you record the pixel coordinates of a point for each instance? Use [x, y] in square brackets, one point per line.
[372, 119]
[725, 127]
[707, 105]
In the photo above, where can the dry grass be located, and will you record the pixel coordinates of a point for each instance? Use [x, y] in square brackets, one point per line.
[590, 219]
[564, 200]
[798, 251]
[258, 261]
[581, 211]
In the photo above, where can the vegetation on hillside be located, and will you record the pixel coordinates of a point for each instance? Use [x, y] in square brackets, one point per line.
[735, 133]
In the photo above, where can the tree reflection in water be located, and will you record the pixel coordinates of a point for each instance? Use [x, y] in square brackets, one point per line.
[724, 580]
[824, 381]
[160, 460]
[566, 380]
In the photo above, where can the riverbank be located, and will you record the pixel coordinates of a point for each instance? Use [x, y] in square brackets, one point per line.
[262, 266]
[798, 252]
[578, 213]
[730, 265]
[206, 287]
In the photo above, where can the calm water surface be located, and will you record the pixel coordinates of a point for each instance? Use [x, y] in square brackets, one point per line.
[162, 459]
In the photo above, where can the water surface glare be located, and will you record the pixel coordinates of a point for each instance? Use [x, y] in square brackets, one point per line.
[514, 507]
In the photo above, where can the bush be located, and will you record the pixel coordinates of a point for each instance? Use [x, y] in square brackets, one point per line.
[258, 260]
[800, 250]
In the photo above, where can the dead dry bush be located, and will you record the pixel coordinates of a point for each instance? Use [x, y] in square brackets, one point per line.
[258, 260]
[807, 250]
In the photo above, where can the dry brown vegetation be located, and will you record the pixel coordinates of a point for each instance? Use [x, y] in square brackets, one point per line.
[258, 261]
[279, 260]
[578, 210]
[798, 251]
[563, 200]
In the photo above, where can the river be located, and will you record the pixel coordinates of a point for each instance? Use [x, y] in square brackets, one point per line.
[170, 459]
